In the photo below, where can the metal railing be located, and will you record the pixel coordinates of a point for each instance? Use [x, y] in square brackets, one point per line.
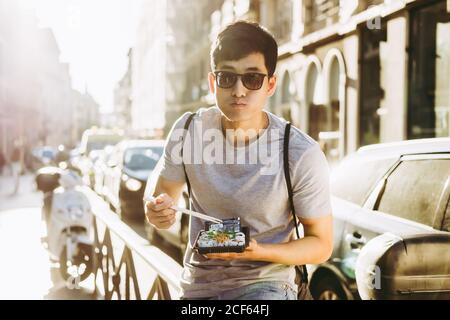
[125, 265]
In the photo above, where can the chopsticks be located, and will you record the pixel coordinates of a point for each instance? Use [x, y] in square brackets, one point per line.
[190, 212]
[197, 214]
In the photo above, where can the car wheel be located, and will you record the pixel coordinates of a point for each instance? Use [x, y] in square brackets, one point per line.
[328, 287]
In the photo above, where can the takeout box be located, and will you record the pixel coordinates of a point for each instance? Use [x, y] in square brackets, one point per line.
[228, 236]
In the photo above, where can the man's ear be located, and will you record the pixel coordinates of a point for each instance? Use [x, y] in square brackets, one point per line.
[272, 85]
[212, 83]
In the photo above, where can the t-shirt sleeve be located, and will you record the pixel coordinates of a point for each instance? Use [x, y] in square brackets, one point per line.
[311, 184]
[171, 164]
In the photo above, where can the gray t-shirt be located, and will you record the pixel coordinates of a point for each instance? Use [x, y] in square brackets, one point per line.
[246, 182]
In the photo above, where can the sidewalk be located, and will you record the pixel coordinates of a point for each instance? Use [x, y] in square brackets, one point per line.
[25, 269]
[27, 196]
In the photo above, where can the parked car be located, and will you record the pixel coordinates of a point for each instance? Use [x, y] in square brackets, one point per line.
[100, 168]
[128, 168]
[42, 156]
[384, 192]
[92, 143]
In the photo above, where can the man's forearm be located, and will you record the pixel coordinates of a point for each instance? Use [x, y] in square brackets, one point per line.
[308, 250]
[172, 188]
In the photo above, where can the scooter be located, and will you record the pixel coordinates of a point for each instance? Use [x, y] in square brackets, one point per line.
[68, 218]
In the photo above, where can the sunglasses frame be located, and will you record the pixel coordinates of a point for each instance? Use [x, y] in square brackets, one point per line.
[239, 75]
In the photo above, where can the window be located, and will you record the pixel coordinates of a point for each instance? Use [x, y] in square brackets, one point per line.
[287, 95]
[371, 91]
[429, 68]
[317, 120]
[282, 26]
[355, 177]
[332, 139]
[414, 188]
[321, 13]
[317, 112]
[366, 4]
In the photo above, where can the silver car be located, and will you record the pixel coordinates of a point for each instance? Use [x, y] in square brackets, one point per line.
[396, 194]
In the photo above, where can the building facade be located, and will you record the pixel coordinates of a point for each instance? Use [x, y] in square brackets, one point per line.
[353, 73]
[37, 103]
[189, 24]
[194, 25]
[123, 97]
[350, 73]
[149, 67]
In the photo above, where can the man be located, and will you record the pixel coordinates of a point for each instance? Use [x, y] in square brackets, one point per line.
[243, 61]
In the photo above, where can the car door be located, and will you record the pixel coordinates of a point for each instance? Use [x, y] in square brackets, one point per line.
[417, 190]
[352, 184]
[410, 199]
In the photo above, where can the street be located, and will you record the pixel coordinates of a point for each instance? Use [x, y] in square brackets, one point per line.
[26, 271]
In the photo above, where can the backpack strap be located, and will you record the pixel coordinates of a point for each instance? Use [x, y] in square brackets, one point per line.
[287, 176]
[186, 130]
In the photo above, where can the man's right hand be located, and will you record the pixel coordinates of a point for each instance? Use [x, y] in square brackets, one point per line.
[159, 213]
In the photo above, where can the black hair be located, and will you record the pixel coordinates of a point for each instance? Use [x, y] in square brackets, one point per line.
[241, 38]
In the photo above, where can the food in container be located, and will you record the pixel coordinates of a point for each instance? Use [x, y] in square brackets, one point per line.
[227, 236]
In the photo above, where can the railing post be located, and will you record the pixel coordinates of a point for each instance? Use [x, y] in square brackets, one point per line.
[167, 270]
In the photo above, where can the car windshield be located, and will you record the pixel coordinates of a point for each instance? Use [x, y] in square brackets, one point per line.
[142, 158]
[47, 154]
[99, 145]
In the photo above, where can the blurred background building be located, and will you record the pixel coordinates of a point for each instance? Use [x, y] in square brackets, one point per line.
[123, 97]
[37, 103]
[350, 72]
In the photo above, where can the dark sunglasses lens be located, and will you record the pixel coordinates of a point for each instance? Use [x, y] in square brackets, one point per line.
[253, 81]
[226, 79]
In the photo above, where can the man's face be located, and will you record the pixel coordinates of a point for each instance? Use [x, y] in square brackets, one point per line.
[239, 103]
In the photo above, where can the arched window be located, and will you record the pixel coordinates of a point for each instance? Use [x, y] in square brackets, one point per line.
[287, 95]
[279, 15]
[333, 138]
[317, 115]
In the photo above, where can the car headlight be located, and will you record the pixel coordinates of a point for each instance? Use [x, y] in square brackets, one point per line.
[133, 184]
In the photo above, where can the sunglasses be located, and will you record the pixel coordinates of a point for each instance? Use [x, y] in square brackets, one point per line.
[252, 81]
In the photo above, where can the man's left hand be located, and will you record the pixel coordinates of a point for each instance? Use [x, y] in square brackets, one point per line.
[252, 252]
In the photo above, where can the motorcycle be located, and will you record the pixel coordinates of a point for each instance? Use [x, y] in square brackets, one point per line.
[68, 217]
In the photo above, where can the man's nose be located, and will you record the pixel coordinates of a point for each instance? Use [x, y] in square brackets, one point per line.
[238, 89]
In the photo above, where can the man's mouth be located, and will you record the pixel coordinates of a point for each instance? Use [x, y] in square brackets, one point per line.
[238, 104]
